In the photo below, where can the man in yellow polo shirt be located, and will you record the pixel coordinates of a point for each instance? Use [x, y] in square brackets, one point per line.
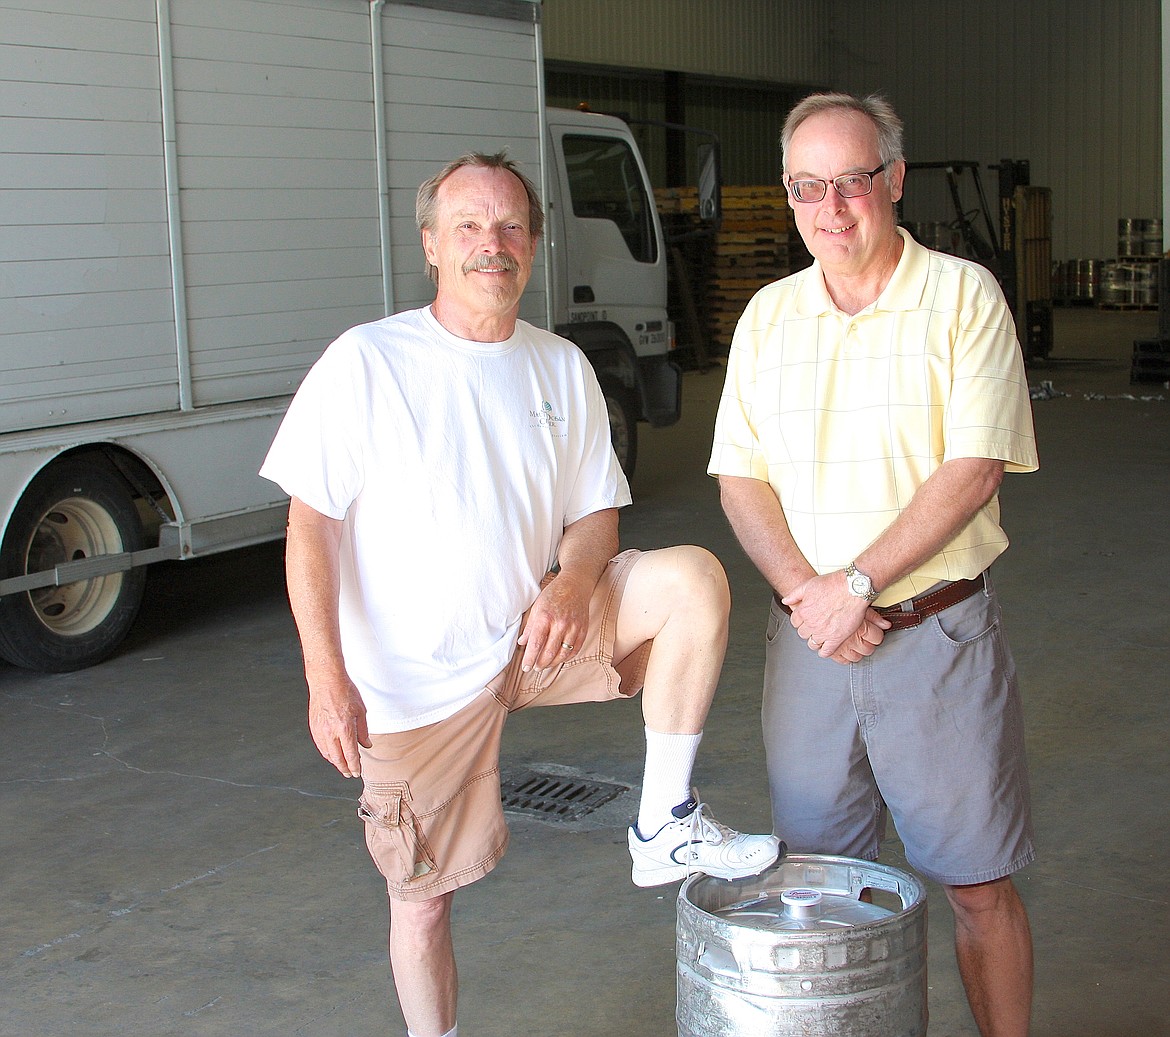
[873, 402]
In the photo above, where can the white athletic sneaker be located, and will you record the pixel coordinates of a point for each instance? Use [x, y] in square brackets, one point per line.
[696, 842]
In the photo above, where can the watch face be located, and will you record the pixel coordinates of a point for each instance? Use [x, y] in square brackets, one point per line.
[859, 584]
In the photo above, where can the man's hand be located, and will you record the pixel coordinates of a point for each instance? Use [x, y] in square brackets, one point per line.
[337, 722]
[337, 715]
[557, 622]
[835, 624]
[559, 618]
[862, 642]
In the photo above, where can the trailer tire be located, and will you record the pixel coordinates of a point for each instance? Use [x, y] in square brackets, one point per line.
[77, 508]
[623, 423]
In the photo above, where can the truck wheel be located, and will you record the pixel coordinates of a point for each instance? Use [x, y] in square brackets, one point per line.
[71, 511]
[623, 424]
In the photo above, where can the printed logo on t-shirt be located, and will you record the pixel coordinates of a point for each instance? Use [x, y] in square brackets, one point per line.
[545, 418]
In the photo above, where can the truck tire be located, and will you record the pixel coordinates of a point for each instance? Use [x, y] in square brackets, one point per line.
[623, 423]
[74, 509]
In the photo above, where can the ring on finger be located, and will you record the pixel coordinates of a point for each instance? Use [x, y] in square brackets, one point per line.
[566, 646]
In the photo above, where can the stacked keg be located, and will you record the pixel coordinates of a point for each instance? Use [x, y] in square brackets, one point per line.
[1076, 281]
[1139, 238]
[1132, 279]
[1129, 281]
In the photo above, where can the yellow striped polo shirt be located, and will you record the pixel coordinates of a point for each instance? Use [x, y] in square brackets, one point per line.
[846, 416]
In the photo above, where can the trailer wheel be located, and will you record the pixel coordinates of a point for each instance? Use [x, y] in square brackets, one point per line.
[623, 424]
[73, 510]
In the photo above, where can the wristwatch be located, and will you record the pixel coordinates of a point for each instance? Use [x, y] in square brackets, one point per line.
[859, 585]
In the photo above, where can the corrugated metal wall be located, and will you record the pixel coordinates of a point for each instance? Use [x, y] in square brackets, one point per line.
[82, 201]
[483, 71]
[750, 39]
[273, 110]
[1073, 86]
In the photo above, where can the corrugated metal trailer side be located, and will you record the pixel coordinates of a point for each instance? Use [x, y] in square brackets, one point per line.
[197, 196]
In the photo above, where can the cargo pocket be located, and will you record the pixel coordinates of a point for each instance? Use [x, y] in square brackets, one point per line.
[394, 836]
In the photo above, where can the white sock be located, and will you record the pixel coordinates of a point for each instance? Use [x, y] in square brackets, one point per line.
[453, 1032]
[666, 781]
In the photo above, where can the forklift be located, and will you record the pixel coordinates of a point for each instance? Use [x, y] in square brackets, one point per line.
[1016, 245]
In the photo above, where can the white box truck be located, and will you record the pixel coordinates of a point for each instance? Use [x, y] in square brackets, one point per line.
[196, 197]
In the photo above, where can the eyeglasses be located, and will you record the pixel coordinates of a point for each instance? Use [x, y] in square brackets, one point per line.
[850, 185]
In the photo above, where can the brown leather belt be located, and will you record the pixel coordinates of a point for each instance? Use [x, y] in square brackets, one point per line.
[903, 618]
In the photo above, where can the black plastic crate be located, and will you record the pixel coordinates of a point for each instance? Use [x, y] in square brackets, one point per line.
[1164, 298]
[1151, 360]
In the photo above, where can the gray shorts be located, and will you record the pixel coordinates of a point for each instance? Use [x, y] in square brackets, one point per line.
[929, 727]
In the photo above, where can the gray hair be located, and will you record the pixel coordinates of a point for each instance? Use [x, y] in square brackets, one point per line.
[426, 204]
[876, 108]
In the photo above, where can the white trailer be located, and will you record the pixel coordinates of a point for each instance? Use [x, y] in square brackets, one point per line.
[196, 197]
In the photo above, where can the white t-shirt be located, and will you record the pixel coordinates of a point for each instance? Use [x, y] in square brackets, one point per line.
[456, 466]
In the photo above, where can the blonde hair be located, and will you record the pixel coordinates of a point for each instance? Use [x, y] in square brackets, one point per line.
[426, 203]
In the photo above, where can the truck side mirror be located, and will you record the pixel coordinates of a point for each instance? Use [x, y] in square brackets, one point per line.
[710, 179]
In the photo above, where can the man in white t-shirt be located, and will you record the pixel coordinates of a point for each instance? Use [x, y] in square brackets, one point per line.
[453, 556]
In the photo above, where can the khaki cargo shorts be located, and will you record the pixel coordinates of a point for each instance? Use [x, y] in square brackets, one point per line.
[431, 799]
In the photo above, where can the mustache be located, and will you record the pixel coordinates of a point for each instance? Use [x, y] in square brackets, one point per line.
[501, 262]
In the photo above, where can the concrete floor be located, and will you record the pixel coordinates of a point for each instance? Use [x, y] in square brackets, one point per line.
[178, 861]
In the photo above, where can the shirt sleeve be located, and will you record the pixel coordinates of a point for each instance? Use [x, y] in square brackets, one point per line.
[735, 449]
[990, 410]
[316, 455]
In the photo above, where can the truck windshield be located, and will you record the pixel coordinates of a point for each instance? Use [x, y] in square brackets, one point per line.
[605, 183]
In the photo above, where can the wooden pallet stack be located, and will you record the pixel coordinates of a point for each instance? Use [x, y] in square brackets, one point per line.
[757, 243]
[1033, 243]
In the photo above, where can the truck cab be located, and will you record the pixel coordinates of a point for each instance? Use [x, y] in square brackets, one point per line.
[608, 271]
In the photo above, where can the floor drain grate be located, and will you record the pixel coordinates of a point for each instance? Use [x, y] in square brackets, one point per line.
[555, 796]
